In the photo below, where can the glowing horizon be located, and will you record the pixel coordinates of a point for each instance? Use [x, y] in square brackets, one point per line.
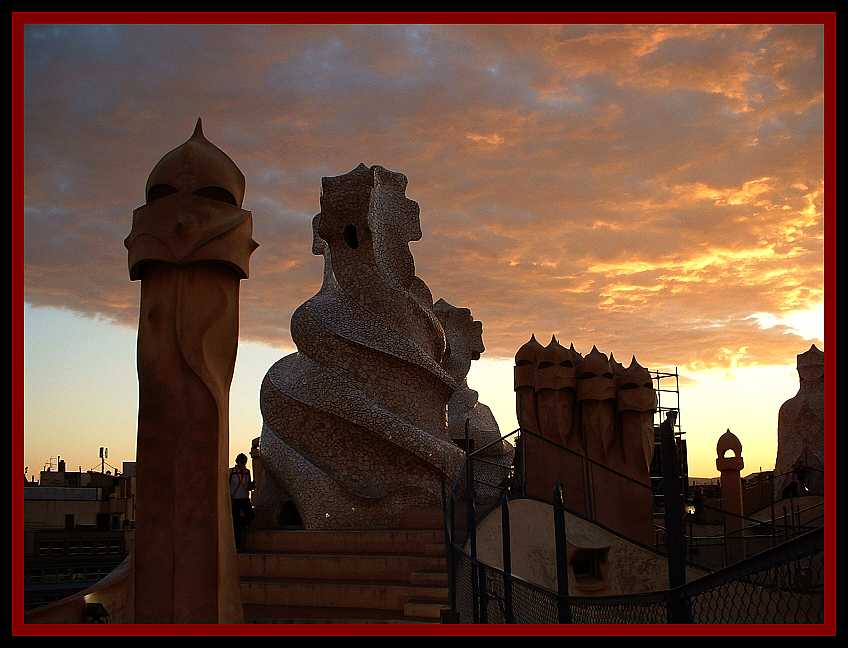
[750, 398]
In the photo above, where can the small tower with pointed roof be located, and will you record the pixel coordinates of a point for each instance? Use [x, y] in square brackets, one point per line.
[730, 468]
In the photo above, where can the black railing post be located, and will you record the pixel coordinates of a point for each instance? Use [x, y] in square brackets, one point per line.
[481, 596]
[791, 519]
[523, 463]
[771, 500]
[678, 606]
[472, 529]
[785, 525]
[452, 561]
[451, 615]
[484, 594]
[507, 560]
[723, 532]
[690, 540]
[520, 477]
[563, 606]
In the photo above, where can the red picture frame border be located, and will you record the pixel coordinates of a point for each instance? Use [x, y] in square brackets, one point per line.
[21, 19]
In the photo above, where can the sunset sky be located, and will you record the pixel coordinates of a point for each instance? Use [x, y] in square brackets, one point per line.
[652, 190]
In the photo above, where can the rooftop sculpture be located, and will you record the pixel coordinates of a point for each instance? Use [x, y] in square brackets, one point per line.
[600, 415]
[355, 422]
[800, 432]
[466, 415]
[190, 246]
[732, 504]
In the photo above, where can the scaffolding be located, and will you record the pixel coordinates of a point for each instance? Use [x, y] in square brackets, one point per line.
[667, 386]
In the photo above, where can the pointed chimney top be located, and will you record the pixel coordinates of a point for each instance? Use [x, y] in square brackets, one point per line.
[596, 363]
[529, 350]
[811, 357]
[197, 163]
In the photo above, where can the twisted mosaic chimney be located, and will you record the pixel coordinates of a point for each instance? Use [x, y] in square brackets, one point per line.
[465, 412]
[355, 422]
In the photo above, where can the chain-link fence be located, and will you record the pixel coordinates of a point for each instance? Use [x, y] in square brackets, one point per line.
[780, 585]
[783, 584]
[533, 604]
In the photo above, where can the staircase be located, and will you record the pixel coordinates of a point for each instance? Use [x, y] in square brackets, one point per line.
[385, 576]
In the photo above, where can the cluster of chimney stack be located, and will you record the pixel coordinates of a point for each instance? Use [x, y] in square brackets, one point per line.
[588, 423]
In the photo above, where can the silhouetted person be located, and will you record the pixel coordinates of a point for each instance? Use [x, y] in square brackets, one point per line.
[240, 487]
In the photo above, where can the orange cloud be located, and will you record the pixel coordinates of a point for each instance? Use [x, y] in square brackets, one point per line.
[492, 139]
[644, 188]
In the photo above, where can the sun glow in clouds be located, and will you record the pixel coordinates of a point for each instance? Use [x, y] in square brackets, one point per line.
[809, 324]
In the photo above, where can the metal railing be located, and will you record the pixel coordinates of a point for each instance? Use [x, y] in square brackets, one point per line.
[710, 551]
[514, 480]
[781, 582]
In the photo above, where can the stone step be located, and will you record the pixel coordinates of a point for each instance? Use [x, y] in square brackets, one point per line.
[355, 567]
[289, 614]
[424, 609]
[336, 593]
[429, 577]
[434, 549]
[381, 542]
[426, 518]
